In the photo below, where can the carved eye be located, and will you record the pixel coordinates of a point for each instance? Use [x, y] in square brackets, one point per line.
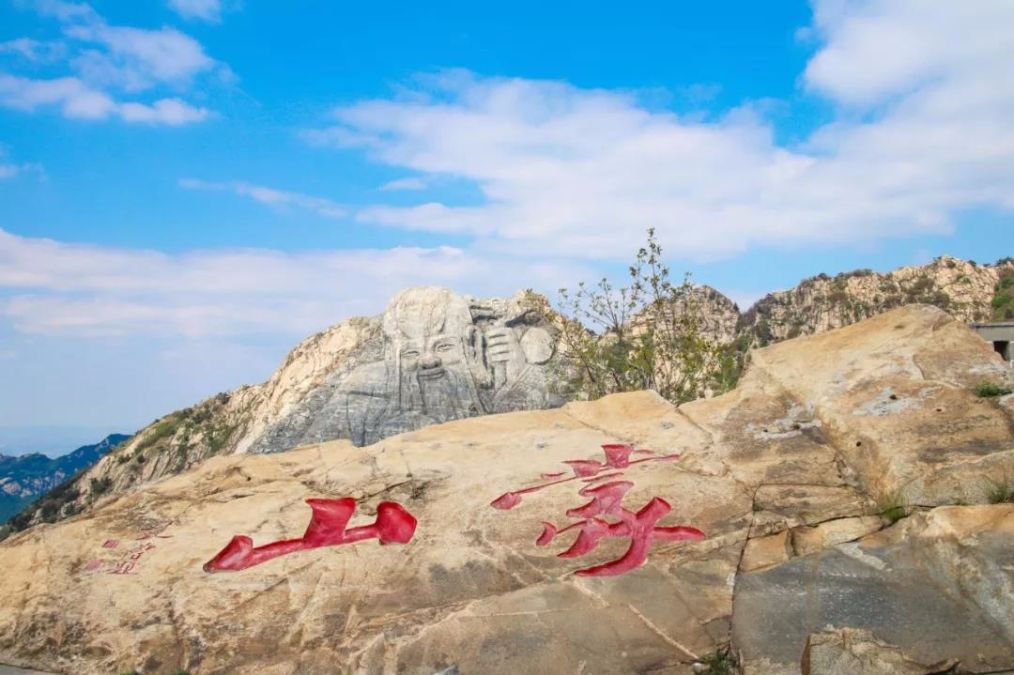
[410, 354]
[445, 347]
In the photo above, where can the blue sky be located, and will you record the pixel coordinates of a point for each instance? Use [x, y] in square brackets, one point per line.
[187, 187]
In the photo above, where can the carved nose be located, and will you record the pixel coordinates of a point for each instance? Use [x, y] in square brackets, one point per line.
[430, 361]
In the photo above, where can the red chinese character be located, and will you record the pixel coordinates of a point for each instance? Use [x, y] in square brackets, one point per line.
[606, 502]
[394, 525]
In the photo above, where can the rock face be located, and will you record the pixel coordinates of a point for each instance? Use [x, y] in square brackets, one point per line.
[350, 380]
[433, 356]
[938, 586]
[963, 289]
[849, 651]
[796, 549]
[441, 358]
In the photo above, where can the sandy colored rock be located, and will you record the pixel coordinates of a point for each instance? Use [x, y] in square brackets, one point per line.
[857, 652]
[121, 587]
[807, 540]
[762, 552]
[471, 590]
[937, 589]
[894, 395]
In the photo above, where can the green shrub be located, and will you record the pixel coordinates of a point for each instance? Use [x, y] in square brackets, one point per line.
[163, 429]
[892, 508]
[1001, 493]
[648, 335]
[721, 662]
[100, 486]
[1003, 300]
[990, 390]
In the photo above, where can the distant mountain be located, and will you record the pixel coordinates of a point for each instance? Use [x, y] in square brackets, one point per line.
[26, 478]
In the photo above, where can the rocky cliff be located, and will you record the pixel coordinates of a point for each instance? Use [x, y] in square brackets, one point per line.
[963, 289]
[360, 379]
[858, 464]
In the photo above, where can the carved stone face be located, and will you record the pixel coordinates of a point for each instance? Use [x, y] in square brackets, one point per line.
[429, 358]
[429, 331]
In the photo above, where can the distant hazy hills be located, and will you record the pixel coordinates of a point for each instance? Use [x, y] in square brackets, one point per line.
[28, 477]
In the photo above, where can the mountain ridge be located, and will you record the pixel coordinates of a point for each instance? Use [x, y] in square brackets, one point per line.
[23, 478]
[297, 394]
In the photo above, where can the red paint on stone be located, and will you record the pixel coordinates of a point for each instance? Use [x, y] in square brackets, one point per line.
[604, 515]
[548, 533]
[328, 522]
[584, 467]
[506, 501]
[641, 530]
[606, 499]
[617, 455]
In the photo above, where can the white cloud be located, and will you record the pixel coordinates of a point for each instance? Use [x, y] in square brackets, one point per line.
[135, 58]
[205, 10]
[8, 170]
[66, 11]
[54, 288]
[169, 111]
[271, 196]
[107, 58]
[884, 48]
[74, 97]
[412, 183]
[35, 50]
[926, 130]
[77, 100]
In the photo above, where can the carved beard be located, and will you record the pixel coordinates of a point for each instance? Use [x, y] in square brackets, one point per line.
[446, 398]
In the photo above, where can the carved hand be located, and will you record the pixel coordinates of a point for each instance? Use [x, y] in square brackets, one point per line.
[504, 353]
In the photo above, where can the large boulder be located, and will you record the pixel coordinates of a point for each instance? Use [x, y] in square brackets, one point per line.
[790, 508]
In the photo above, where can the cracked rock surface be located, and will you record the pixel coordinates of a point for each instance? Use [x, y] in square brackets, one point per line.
[787, 480]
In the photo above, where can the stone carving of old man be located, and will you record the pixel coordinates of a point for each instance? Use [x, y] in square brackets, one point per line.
[440, 364]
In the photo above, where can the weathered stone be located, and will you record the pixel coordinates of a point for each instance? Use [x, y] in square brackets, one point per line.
[807, 540]
[895, 397]
[442, 359]
[472, 592]
[761, 552]
[857, 652]
[938, 589]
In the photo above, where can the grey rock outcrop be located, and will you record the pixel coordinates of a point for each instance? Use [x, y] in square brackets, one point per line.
[937, 585]
[852, 651]
[433, 356]
[439, 357]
